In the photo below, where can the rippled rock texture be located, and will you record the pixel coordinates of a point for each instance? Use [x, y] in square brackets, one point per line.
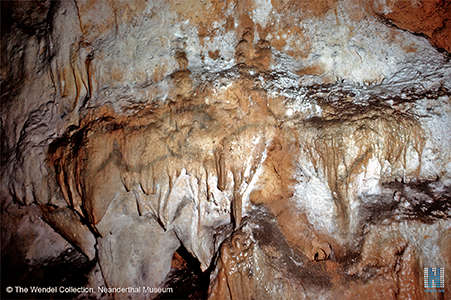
[227, 149]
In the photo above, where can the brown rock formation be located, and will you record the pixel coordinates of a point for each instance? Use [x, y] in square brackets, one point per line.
[428, 17]
[258, 149]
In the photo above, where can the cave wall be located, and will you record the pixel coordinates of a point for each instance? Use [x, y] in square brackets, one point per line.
[295, 148]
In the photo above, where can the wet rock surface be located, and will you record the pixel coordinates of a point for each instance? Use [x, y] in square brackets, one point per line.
[258, 262]
[226, 149]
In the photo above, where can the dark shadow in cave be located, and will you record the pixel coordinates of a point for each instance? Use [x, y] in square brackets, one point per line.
[186, 278]
[69, 269]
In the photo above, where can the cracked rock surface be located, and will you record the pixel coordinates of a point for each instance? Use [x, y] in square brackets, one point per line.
[226, 149]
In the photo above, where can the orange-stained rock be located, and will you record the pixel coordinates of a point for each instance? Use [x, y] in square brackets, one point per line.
[257, 262]
[428, 17]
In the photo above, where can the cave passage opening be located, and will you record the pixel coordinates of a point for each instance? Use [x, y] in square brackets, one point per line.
[186, 278]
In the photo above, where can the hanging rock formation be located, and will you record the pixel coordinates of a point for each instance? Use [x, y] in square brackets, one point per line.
[291, 149]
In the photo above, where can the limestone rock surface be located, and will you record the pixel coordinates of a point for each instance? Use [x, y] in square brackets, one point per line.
[281, 149]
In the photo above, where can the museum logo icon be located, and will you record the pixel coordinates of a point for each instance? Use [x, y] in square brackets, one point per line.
[434, 280]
